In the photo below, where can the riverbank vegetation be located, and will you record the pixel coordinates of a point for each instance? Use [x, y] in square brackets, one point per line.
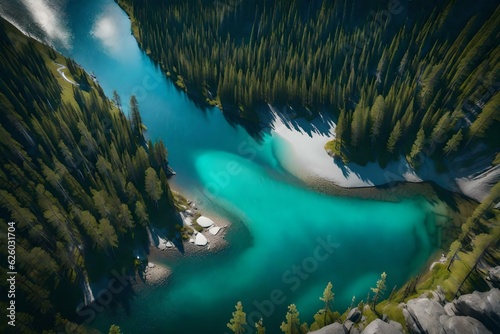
[78, 181]
[401, 78]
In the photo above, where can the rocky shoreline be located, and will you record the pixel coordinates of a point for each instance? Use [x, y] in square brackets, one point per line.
[477, 312]
[200, 235]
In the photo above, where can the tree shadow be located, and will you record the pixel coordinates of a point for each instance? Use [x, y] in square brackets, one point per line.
[445, 195]
[340, 164]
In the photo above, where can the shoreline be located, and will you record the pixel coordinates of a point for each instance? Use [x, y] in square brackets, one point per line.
[157, 272]
[306, 158]
[319, 178]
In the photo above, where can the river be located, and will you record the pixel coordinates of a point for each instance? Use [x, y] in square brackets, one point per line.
[287, 241]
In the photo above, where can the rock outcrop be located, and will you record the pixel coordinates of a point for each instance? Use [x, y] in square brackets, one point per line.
[459, 325]
[477, 313]
[494, 276]
[335, 328]
[483, 306]
[378, 327]
[422, 316]
[354, 315]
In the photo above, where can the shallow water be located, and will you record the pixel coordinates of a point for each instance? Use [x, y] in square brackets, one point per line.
[286, 242]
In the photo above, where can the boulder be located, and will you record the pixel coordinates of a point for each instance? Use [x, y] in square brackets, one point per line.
[450, 310]
[200, 240]
[460, 324]
[494, 276]
[204, 221]
[334, 328]
[377, 326]
[396, 325]
[214, 230]
[422, 316]
[354, 315]
[483, 306]
[348, 325]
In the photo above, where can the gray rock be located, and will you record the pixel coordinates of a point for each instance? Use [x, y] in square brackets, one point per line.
[494, 276]
[422, 316]
[334, 328]
[348, 325]
[354, 315]
[377, 326]
[483, 306]
[459, 325]
[396, 325]
[450, 310]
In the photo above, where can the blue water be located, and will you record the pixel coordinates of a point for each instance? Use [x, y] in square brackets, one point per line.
[287, 241]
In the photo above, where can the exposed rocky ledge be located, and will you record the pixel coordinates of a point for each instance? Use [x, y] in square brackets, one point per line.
[478, 312]
[475, 313]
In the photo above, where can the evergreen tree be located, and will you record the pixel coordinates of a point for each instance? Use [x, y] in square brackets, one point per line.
[238, 321]
[71, 196]
[136, 119]
[452, 144]
[394, 137]
[327, 298]
[377, 117]
[153, 185]
[292, 324]
[418, 144]
[379, 289]
[114, 330]
[260, 327]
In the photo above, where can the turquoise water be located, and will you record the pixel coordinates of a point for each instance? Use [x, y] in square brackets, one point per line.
[287, 241]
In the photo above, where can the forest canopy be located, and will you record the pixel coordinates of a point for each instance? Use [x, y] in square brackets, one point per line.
[73, 183]
[397, 76]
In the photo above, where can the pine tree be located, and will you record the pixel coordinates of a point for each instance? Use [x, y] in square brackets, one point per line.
[260, 327]
[238, 321]
[489, 115]
[136, 119]
[452, 144]
[327, 298]
[114, 330]
[117, 99]
[394, 137]
[153, 185]
[292, 324]
[377, 116]
[418, 144]
[340, 130]
[379, 289]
